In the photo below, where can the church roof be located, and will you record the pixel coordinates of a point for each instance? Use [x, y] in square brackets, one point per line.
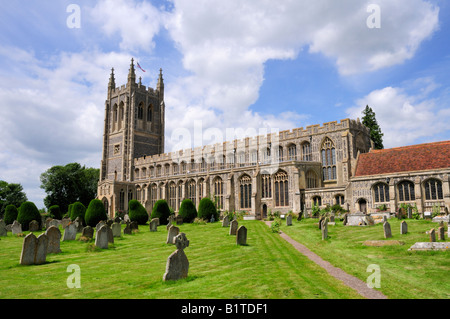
[418, 157]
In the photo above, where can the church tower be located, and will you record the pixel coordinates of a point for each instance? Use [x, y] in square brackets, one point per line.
[133, 128]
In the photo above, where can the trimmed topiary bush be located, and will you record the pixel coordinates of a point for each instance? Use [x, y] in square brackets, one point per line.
[11, 213]
[78, 210]
[137, 212]
[95, 213]
[187, 211]
[55, 212]
[207, 209]
[161, 210]
[28, 212]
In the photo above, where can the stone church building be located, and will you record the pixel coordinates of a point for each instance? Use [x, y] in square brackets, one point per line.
[287, 171]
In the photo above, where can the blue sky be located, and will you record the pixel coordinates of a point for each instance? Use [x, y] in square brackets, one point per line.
[226, 64]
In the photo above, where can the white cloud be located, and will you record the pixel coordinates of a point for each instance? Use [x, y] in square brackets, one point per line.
[405, 118]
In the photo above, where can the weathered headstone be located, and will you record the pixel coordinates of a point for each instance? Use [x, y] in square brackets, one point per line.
[179, 220]
[154, 224]
[432, 235]
[177, 266]
[324, 229]
[332, 218]
[101, 237]
[54, 237]
[387, 230]
[109, 222]
[321, 219]
[99, 225]
[403, 228]
[212, 220]
[233, 227]
[110, 234]
[127, 229]
[117, 219]
[116, 229]
[289, 220]
[54, 222]
[134, 225]
[16, 228]
[173, 231]
[78, 224]
[3, 231]
[33, 226]
[226, 221]
[70, 232]
[441, 233]
[65, 222]
[241, 236]
[41, 249]
[88, 232]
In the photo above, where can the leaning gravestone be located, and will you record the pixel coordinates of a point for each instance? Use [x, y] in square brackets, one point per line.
[116, 230]
[70, 232]
[403, 228]
[88, 232]
[101, 237]
[16, 228]
[233, 227]
[226, 221]
[387, 230]
[34, 250]
[177, 266]
[33, 226]
[344, 222]
[432, 235]
[154, 224]
[54, 237]
[3, 231]
[241, 236]
[173, 231]
[289, 220]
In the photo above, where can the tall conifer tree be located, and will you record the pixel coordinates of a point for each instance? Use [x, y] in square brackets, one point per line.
[370, 122]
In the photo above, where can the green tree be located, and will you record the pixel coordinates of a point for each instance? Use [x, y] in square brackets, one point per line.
[68, 184]
[187, 210]
[28, 212]
[137, 212]
[95, 213]
[161, 210]
[371, 123]
[11, 194]
[207, 209]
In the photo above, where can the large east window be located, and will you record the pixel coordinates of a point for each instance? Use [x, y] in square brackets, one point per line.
[281, 186]
[328, 160]
[246, 191]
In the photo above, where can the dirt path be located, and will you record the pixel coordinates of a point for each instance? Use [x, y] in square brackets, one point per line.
[351, 281]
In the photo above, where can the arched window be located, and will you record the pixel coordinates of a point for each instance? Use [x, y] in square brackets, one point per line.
[180, 194]
[138, 193]
[167, 169]
[317, 201]
[122, 200]
[281, 186]
[339, 199]
[130, 195]
[140, 113]
[246, 191]
[433, 189]
[158, 170]
[406, 191]
[200, 184]
[153, 194]
[149, 113]
[311, 179]
[280, 154]
[266, 186]
[328, 160]
[203, 165]
[183, 167]
[381, 193]
[115, 117]
[292, 150]
[172, 195]
[191, 190]
[218, 192]
[175, 168]
[266, 156]
[306, 152]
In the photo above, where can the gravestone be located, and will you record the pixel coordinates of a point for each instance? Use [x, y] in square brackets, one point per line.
[134, 225]
[109, 222]
[233, 227]
[409, 212]
[212, 220]
[16, 228]
[33, 226]
[427, 215]
[177, 265]
[78, 224]
[3, 231]
[34, 250]
[344, 222]
[332, 218]
[88, 232]
[101, 237]
[116, 229]
[321, 219]
[289, 220]
[324, 229]
[54, 222]
[179, 220]
[241, 236]
[127, 229]
[173, 231]
[70, 232]
[154, 224]
[54, 237]
[387, 230]
[99, 225]
[65, 222]
[226, 221]
[110, 234]
[403, 228]
[126, 218]
[300, 216]
[432, 235]
[430, 246]
[441, 233]
[117, 219]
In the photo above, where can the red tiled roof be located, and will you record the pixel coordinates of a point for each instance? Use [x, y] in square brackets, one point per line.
[402, 159]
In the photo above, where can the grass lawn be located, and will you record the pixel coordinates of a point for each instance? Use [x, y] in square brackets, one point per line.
[404, 274]
[133, 267]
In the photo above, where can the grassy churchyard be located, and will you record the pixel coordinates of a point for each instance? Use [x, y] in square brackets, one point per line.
[268, 267]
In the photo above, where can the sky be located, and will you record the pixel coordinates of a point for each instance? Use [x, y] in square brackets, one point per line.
[249, 65]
